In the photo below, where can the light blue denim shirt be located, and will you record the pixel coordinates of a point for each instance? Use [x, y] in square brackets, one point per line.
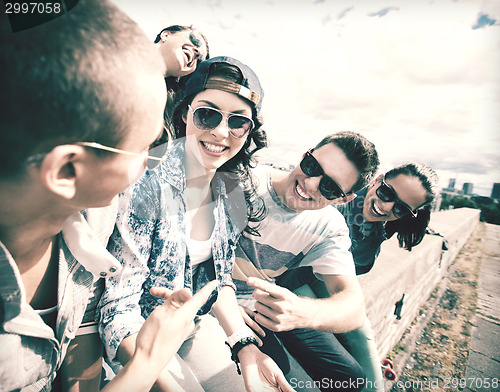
[150, 240]
[30, 351]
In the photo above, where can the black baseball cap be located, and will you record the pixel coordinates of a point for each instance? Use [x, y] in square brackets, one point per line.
[249, 88]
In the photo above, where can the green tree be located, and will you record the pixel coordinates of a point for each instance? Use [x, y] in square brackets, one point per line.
[491, 214]
[459, 202]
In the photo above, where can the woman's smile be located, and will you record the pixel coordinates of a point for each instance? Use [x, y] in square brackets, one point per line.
[213, 148]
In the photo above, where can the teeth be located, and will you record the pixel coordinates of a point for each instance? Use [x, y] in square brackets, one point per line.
[213, 147]
[377, 210]
[301, 192]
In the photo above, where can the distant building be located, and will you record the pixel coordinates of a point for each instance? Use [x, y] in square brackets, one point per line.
[468, 188]
[451, 184]
[495, 192]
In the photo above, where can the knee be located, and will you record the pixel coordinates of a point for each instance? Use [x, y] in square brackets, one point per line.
[358, 372]
[355, 377]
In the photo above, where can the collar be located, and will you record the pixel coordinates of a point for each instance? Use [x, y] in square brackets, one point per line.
[172, 169]
[86, 247]
[274, 195]
[11, 287]
[356, 209]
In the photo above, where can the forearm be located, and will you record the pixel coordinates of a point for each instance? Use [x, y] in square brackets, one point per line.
[137, 375]
[126, 350]
[156, 379]
[81, 368]
[342, 312]
[227, 312]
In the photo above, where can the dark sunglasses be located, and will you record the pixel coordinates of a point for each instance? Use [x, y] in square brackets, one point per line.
[328, 187]
[206, 118]
[387, 194]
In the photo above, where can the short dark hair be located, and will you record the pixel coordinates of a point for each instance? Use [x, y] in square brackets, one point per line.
[70, 80]
[411, 230]
[360, 151]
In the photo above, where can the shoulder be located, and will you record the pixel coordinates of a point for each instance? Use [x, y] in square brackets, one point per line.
[261, 174]
[328, 216]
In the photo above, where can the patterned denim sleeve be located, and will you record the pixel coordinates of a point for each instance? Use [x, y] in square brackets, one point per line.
[130, 243]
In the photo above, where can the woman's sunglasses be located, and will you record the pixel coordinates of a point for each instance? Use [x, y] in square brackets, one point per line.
[386, 194]
[328, 187]
[206, 118]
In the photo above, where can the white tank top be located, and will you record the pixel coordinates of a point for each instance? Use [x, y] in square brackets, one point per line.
[199, 251]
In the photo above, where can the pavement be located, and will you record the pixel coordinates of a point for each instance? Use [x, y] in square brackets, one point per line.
[483, 366]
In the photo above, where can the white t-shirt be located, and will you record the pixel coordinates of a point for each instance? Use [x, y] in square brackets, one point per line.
[290, 239]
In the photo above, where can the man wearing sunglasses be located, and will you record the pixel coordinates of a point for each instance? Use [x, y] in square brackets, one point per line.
[303, 229]
[82, 101]
[399, 202]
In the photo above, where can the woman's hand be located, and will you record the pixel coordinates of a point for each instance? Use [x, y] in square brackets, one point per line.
[260, 372]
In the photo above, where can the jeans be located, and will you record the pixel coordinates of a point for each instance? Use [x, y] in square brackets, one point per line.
[324, 358]
[319, 353]
[294, 373]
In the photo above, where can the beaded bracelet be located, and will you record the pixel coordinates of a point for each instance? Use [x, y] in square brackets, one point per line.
[237, 348]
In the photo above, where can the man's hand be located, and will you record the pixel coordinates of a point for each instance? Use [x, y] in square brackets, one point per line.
[278, 309]
[249, 318]
[159, 338]
[260, 372]
[167, 326]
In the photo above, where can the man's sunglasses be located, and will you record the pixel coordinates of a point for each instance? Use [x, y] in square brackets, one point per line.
[206, 118]
[156, 154]
[328, 187]
[387, 194]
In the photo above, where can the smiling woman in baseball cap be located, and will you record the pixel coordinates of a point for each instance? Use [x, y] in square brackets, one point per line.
[178, 227]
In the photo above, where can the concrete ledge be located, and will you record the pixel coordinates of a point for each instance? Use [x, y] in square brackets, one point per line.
[414, 274]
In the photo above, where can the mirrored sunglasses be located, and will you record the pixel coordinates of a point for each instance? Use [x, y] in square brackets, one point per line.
[387, 194]
[206, 118]
[328, 187]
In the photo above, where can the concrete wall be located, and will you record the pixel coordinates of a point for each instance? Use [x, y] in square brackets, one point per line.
[414, 274]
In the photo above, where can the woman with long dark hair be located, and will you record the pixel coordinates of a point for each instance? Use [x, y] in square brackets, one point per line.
[178, 227]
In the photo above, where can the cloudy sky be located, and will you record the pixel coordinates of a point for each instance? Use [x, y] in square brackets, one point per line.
[419, 78]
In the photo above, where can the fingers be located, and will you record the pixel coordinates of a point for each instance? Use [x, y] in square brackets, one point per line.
[270, 288]
[266, 322]
[160, 292]
[283, 384]
[248, 316]
[173, 299]
[183, 297]
[197, 300]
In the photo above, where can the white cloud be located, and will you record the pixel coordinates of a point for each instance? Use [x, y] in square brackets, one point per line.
[418, 81]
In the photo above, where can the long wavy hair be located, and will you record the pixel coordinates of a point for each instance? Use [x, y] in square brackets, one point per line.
[411, 230]
[236, 171]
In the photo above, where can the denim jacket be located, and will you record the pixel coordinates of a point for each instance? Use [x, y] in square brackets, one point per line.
[366, 237]
[30, 351]
[150, 241]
